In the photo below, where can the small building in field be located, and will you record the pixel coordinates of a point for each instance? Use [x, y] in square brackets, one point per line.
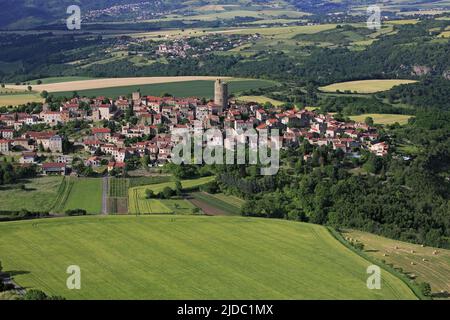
[53, 168]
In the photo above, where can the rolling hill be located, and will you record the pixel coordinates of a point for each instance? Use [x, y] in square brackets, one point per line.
[174, 257]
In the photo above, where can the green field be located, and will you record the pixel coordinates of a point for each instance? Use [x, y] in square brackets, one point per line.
[220, 202]
[261, 100]
[39, 195]
[80, 193]
[383, 119]
[188, 258]
[118, 187]
[365, 86]
[138, 204]
[198, 88]
[59, 79]
[435, 269]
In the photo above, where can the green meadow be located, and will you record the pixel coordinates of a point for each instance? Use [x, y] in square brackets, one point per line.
[187, 257]
[197, 88]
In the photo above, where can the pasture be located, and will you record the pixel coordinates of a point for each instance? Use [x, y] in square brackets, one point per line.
[197, 88]
[365, 86]
[260, 100]
[179, 257]
[80, 193]
[39, 194]
[435, 269]
[384, 119]
[139, 204]
[52, 80]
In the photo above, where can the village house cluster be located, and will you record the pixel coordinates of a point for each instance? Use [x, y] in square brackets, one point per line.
[158, 119]
[197, 46]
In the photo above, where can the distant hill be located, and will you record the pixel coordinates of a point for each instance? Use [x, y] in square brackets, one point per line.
[26, 14]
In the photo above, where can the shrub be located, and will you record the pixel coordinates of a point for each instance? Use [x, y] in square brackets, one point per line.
[76, 212]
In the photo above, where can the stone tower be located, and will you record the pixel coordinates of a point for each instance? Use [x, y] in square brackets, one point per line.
[221, 95]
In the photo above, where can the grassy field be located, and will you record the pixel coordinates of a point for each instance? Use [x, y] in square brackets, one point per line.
[198, 88]
[260, 100]
[39, 195]
[435, 269]
[365, 86]
[17, 99]
[188, 258]
[383, 119]
[138, 204]
[52, 80]
[80, 193]
[217, 204]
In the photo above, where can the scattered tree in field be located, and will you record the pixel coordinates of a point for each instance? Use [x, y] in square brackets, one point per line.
[425, 288]
[369, 121]
[149, 194]
[167, 193]
[178, 188]
[30, 88]
[44, 94]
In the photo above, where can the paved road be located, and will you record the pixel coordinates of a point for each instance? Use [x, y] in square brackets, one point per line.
[105, 195]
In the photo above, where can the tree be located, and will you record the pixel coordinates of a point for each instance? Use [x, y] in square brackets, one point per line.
[30, 88]
[44, 94]
[1, 267]
[178, 188]
[167, 193]
[35, 295]
[425, 288]
[149, 194]
[39, 82]
[369, 121]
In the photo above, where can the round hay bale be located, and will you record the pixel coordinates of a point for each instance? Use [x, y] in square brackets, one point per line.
[424, 260]
[396, 248]
[412, 251]
[413, 264]
[435, 252]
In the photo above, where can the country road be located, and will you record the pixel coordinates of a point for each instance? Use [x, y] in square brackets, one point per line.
[105, 195]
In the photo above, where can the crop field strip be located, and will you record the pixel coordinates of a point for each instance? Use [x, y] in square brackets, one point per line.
[365, 86]
[215, 205]
[138, 204]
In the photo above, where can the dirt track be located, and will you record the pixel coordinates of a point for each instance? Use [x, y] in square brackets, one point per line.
[108, 83]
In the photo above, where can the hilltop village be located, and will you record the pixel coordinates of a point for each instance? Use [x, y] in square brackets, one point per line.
[117, 132]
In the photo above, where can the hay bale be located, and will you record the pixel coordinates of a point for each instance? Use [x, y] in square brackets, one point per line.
[413, 264]
[412, 251]
[435, 252]
[384, 255]
[424, 260]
